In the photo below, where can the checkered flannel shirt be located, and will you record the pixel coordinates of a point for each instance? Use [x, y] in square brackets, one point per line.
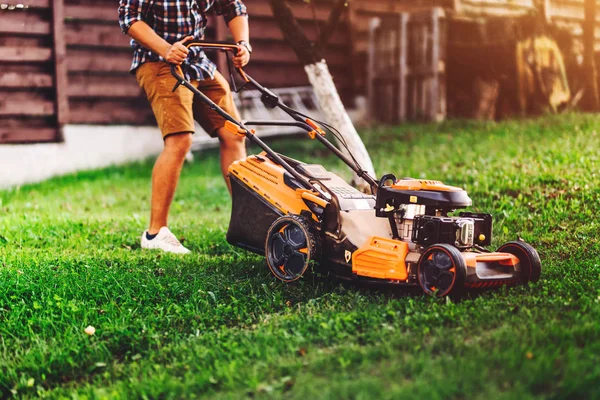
[173, 20]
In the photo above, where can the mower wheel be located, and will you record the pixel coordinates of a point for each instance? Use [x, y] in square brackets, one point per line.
[292, 243]
[442, 271]
[529, 259]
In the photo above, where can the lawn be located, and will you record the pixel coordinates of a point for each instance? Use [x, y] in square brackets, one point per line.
[216, 324]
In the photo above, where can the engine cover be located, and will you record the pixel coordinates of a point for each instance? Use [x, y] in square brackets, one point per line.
[463, 232]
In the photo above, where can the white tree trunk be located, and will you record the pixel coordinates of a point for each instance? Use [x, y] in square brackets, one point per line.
[336, 115]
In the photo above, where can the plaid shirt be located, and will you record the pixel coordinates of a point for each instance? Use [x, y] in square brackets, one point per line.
[173, 20]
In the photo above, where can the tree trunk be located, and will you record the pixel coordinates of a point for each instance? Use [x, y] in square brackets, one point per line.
[591, 102]
[333, 109]
[310, 55]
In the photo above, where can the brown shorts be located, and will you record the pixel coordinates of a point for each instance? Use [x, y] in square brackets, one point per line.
[176, 111]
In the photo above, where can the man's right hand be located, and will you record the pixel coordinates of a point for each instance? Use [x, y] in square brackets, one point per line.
[177, 52]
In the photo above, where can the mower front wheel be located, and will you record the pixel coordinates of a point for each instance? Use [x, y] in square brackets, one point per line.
[442, 271]
[529, 260]
[292, 243]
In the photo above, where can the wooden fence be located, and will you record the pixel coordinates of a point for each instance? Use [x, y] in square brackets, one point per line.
[407, 67]
[360, 14]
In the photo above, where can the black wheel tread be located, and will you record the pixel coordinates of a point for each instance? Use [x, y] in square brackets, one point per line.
[535, 264]
[313, 241]
[458, 288]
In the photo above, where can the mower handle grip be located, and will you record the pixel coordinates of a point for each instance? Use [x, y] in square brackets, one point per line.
[222, 46]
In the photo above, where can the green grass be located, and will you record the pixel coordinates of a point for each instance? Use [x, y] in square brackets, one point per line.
[217, 325]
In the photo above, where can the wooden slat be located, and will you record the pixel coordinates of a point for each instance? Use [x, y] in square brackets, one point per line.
[380, 8]
[27, 135]
[290, 76]
[92, 12]
[280, 53]
[95, 35]
[25, 54]
[269, 30]
[104, 86]
[60, 63]
[25, 41]
[262, 9]
[29, 3]
[23, 22]
[111, 112]
[278, 77]
[25, 80]
[25, 104]
[21, 122]
[81, 60]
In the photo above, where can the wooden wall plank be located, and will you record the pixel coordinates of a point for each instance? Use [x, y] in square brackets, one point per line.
[269, 30]
[258, 9]
[111, 112]
[24, 54]
[31, 3]
[281, 53]
[26, 104]
[25, 80]
[27, 135]
[23, 22]
[82, 60]
[104, 86]
[106, 36]
[91, 12]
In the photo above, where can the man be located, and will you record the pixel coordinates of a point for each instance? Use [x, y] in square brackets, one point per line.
[159, 28]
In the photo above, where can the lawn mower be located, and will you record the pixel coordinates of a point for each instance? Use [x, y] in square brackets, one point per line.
[301, 216]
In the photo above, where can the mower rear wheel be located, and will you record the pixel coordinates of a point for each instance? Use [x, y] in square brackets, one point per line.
[442, 271]
[529, 260]
[292, 243]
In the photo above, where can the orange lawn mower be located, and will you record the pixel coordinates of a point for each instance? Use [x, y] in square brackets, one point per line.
[302, 217]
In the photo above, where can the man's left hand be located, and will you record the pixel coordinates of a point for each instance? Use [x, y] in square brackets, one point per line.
[242, 58]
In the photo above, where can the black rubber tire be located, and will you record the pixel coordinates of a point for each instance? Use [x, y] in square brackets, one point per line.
[293, 243]
[529, 259]
[433, 275]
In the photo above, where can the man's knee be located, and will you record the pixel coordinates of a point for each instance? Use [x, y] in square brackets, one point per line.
[230, 140]
[179, 143]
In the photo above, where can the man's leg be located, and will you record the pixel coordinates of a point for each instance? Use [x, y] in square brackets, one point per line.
[165, 177]
[233, 148]
[173, 112]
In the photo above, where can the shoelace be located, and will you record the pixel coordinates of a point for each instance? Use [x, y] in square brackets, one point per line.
[172, 240]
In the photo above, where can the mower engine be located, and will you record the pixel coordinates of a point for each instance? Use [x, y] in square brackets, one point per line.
[463, 232]
[418, 212]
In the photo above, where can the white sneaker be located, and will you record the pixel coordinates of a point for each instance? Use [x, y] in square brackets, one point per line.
[164, 240]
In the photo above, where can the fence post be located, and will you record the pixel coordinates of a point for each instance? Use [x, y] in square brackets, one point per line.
[371, 75]
[402, 67]
[60, 64]
[434, 88]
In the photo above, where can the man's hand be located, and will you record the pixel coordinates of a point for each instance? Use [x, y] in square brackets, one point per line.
[242, 58]
[177, 52]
